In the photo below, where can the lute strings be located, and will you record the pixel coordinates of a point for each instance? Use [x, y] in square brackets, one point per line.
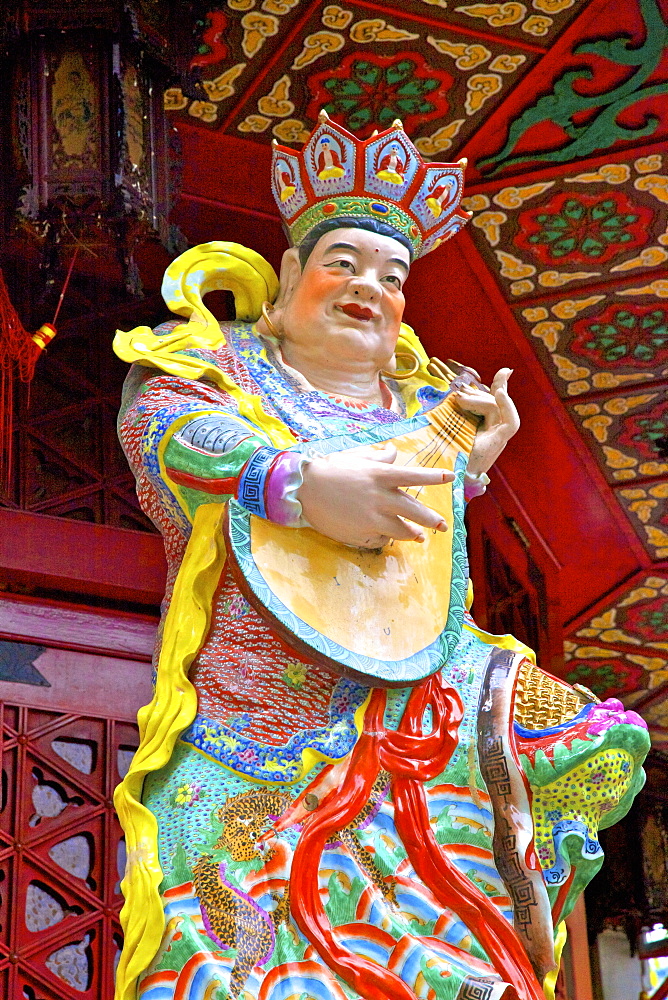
[437, 446]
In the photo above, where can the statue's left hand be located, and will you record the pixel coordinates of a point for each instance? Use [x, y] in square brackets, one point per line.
[500, 420]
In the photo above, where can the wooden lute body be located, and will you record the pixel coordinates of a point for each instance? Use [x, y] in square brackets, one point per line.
[390, 617]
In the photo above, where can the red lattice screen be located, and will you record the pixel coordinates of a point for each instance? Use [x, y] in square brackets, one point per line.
[61, 852]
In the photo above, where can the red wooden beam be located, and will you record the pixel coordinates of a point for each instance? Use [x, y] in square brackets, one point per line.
[62, 625]
[577, 933]
[227, 168]
[55, 553]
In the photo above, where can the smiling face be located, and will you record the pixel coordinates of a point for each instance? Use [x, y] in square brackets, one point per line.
[348, 300]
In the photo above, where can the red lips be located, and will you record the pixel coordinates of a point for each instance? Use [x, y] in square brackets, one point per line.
[356, 311]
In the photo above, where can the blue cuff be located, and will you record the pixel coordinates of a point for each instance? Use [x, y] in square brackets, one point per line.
[253, 478]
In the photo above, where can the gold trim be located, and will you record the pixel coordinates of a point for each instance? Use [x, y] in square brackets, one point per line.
[410, 372]
[543, 701]
[265, 316]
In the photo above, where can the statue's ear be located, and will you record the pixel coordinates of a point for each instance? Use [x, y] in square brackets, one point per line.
[290, 274]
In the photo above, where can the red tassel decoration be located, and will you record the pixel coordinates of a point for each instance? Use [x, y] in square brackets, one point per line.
[19, 351]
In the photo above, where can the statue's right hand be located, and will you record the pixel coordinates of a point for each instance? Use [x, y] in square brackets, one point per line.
[356, 497]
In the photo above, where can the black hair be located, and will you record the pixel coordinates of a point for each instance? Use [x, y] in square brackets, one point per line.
[350, 222]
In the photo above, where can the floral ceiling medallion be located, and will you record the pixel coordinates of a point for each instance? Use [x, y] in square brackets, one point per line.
[647, 432]
[622, 335]
[582, 229]
[369, 91]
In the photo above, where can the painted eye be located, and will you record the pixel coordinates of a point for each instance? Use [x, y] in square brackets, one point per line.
[392, 279]
[347, 264]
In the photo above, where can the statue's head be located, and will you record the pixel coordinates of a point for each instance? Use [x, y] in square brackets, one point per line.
[357, 213]
[344, 287]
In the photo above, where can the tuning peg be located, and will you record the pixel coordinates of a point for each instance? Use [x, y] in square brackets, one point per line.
[439, 369]
[465, 368]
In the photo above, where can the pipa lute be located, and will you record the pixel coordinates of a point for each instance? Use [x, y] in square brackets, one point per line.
[390, 616]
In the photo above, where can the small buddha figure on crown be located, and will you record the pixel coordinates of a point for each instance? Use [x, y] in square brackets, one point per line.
[329, 161]
[391, 167]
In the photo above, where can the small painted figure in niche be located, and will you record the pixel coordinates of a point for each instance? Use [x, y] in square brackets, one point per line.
[345, 789]
[285, 182]
[329, 159]
[391, 167]
[437, 198]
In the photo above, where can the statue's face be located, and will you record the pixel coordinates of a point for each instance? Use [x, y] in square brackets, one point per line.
[349, 296]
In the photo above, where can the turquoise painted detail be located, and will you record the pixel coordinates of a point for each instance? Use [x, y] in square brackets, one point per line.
[564, 103]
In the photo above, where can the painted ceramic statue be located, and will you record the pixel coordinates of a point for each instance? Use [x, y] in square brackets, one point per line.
[344, 788]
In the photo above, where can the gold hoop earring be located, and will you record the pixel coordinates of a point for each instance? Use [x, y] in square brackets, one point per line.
[399, 376]
[265, 316]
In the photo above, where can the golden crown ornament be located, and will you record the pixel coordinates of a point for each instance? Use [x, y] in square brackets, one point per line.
[337, 175]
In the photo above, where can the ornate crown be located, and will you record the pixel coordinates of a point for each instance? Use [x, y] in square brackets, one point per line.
[382, 178]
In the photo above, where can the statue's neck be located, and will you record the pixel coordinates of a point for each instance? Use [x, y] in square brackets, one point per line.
[359, 380]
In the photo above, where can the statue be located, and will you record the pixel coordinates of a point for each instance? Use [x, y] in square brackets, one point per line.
[344, 787]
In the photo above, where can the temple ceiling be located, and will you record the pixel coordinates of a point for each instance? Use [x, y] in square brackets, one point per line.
[588, 74]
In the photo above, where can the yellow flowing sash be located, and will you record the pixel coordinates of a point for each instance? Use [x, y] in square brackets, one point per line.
[171, 710]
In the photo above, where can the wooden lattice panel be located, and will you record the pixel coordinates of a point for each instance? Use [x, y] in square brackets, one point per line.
[61, 853]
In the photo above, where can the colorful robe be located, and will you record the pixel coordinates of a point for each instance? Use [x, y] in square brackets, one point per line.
[318, 838]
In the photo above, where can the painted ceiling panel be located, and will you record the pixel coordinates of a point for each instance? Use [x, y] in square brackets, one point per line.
[621, 650]
[574, 228]
[627, 433]
[364, 69]
[596, 341]
[648, 512]
[601, 86]
[570, 248]
[594, 74]
[539, 21]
